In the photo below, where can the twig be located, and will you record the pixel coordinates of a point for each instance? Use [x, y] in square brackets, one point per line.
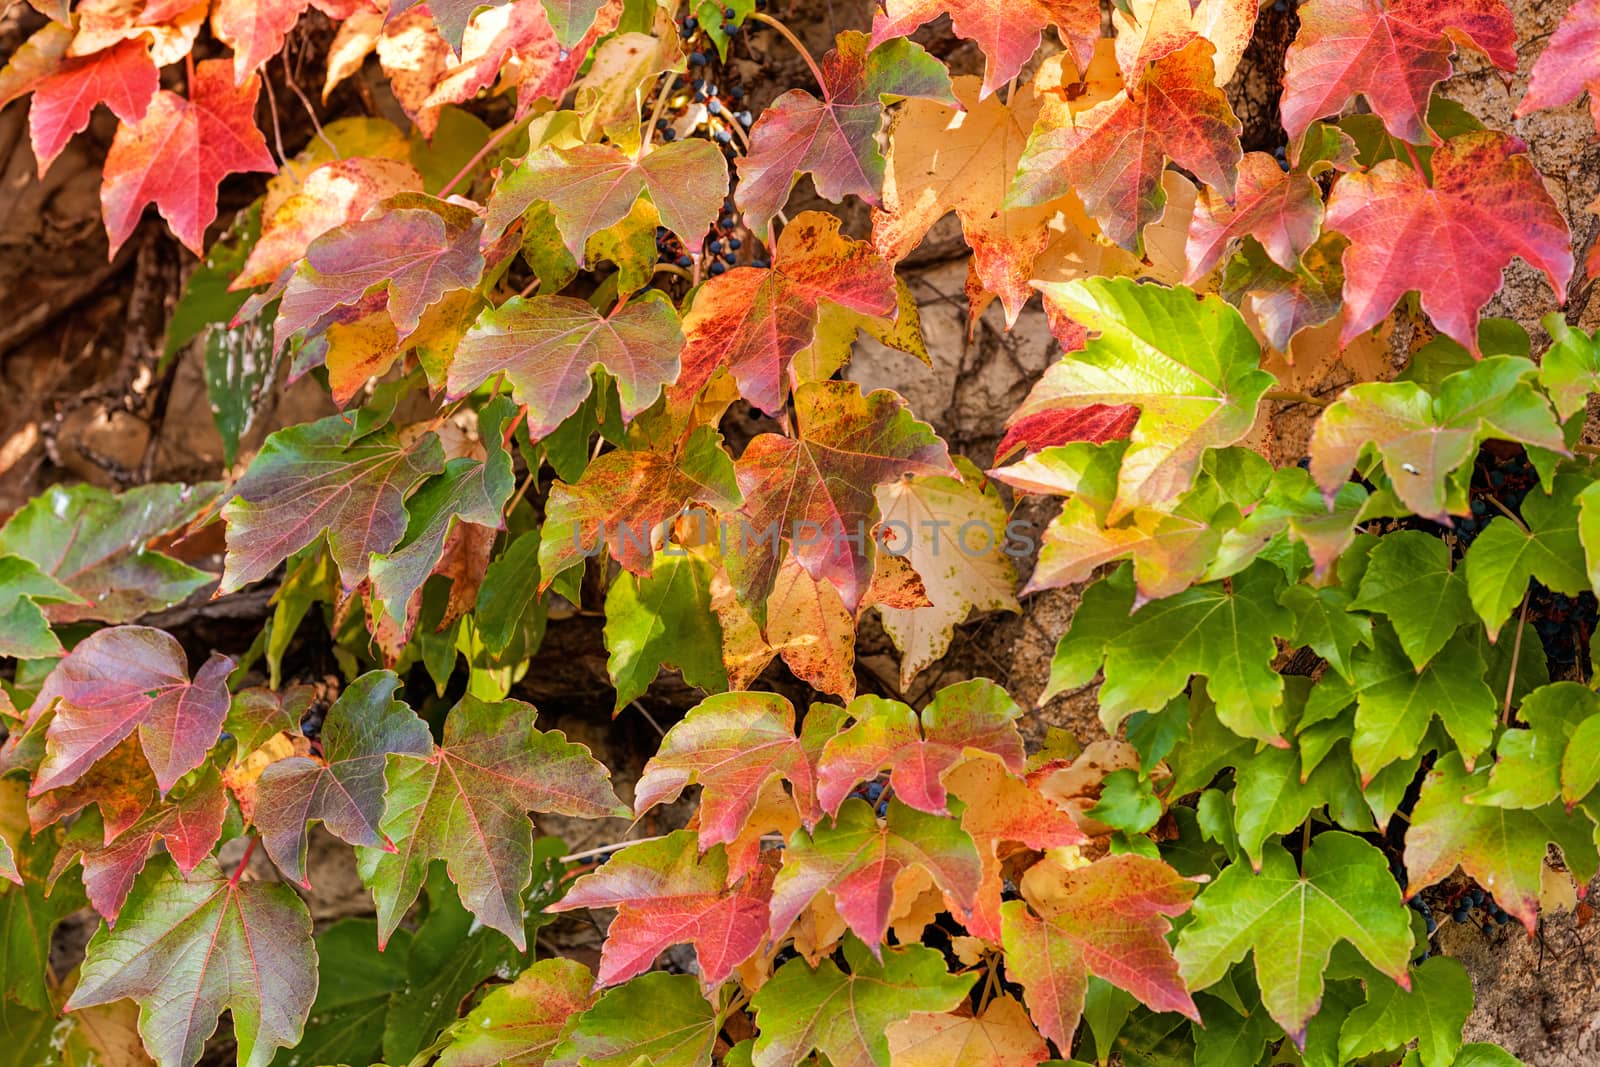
[490, 145]
[1292, 396]
[288, 79]
[1516, 654]
[799, 45]
[651, 719]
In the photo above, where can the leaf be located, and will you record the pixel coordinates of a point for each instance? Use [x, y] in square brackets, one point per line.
[815, 490]
[1569, 370]
[1281, 209]
[1292, 921]
[1431, 1013]
[1001, 1036]
[659, 1018]
[1147, 30]
[1393, 52]
[66, 86]
[667, 894]
[974, 716]
[857, 860]
[834, 139]
[809, 625]
[846, 1017]
[312, 479]
[1423, 439]
[409, 256]
[625, 494]
[467, 804]
[1409, 578]
[187, 949]
[1109, 918]
[1009, 36]
[1190, 365]
[1113, 154]
[255, 31]
[96, 543]
[522, 1022]
[590, 187]
[664, 620]
[1505, 555]
[344, 788]
[1096, 424]
[754, 321]
[954, 534]
[1503, 849]
[129, 678]
[1324, 622]
[1396, 702]
[354, 985]
[1485, 204]
[24, 630]
[547, 346]
[1287, 302]
[29, 911]
[732, 745]
[178, 153]
[1567, 68]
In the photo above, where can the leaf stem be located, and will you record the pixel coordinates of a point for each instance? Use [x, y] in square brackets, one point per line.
[244, 861]
[673, 268]
[493, 142]
[655, 112]
[799, 46]
[601, 850]
[1508, 513]
[1416, 163]
[1516, 654]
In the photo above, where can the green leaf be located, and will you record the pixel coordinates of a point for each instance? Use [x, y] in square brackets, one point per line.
[1528, 768]
[1292, 919]
[240, 366]
[509, 600]
[1324, 622]
[1569, 370]
[1430, 1013]
[664, 620]
[1505, 555]
[206, 298]
[1188, 362]
[24, 629]
[188, 949]
[522, 1022]
[1395, 702]
[660, 1019]
[1126, 803]
[29, 912]
[1270, 799]
[1409, 579]
[845, 1016]
[1580, 766]
[354, 984]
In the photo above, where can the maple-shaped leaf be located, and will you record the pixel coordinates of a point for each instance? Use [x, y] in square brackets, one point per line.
[177, 155]
[834, 139]
[592, 186]
[1008, 34]
[627, 493]
[1146, 30]
[409, 256]
[856, 859]
[523, 1022]
[546, 346]
[30, 911]
[667, 894]
[1109, 918]
[1393, 52]
[1396, 701]
[1293, 919]
[1281, 209]
[755, 320]
[731, 745]
[256, 30]
[846, 1016]
[344, 787]
[1226, 634]
[1424, 438]
[97, 544]
[1432, 1013]
[970, 716]
[1569, 370]
[337, 192]
[814, 491]
[1042, 430]
[467, 803]
[66, 86]
[1545, 545]
[311, 479]
[1502, 848]
[1410, 578]
[129, 678]
[189, 948]
[664, 620]
[1190, 364]
[1001, 1036]
[1548, 759]
[658, 1018]
[922, 522]
[1448, 239]
[1113, 154]
[189, 827]
[120, 784]
[1286, 302]
[1569, 66]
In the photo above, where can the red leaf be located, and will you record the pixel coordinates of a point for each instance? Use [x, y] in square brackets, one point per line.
[1449, 240]
[1113, 154]
[120, 784]
[886, 733]
[1281, 209]
[834, 139]
[254, 29]
[754, 321]
[1008, 31]
[1393, 52]
[66, 88]
[1569, 64]
[666, 894]
[1097, 423]
[177, 155]
[129, 678]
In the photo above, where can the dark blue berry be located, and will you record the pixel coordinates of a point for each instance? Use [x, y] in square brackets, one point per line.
[1488, 928]
[669, 134]
[691, 24]
[717, 268]
[1459, 915]
[745, 119]
[762, 263]
[729, 258]
[730, 29]
[729, 13]
[714, 247]
[697, 59]
[724, 137]
[734, 243]
[714, 107]
[737, 94]
[685, 262]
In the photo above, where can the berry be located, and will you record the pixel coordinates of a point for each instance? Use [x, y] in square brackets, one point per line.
[714, 107]
[685, 262]
[729, 29]
[737, 94]
[734, 243]
[729, 258]
[762, 263]
[717, 268]
[724, 137]
[697, 58]
[690, 24]
[745, 119]
[669, 134]
[729, 13]
[714, 247]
